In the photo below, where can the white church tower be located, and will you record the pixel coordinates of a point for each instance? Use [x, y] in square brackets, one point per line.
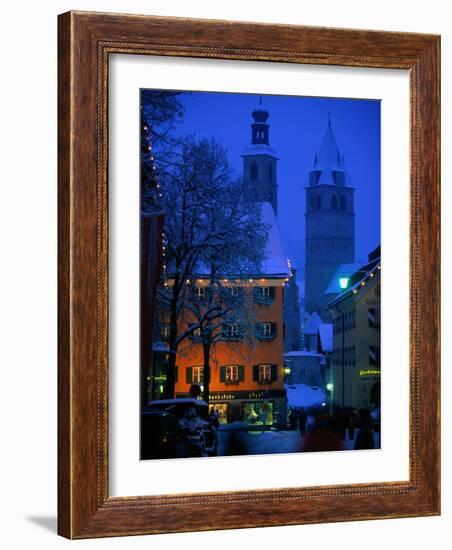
[330, 222]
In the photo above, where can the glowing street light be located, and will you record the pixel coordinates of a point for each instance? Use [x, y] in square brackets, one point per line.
[343, 281]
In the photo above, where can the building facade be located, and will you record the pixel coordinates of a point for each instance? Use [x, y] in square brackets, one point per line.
[355, 362]
[292, 321]
[246, 354]
[305, 367]
[330, 223]
[246, 363]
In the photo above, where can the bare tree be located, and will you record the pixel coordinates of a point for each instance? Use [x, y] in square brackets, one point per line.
[212, 231]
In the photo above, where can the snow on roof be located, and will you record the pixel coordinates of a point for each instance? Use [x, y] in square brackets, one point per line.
[259, 149]
[344, 270]
[329, 160]
[313, 324]
[160, 346]
[326, 336]
[359, 283]
[301, 395]
[275, 262]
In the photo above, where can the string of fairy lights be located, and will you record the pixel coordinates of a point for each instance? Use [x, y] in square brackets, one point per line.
[150, 183]
[151, 186]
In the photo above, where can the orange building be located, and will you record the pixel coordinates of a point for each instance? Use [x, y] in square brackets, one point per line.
[246, 365]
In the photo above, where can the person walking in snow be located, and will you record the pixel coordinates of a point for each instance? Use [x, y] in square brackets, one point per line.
[302, 420]
[365, 437]
[292, 419]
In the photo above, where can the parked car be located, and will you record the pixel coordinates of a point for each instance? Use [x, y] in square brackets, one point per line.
[161, 436]
[194, 421]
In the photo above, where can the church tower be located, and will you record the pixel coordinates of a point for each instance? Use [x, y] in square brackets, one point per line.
[330, 222]
[259, 162]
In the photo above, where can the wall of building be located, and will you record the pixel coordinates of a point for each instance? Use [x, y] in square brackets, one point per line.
[244, 352]
[305, 368]
[264, 187]
[359, 374]
[330, 242]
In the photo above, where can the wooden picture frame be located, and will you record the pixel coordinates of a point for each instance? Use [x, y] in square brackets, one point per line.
[86, 40]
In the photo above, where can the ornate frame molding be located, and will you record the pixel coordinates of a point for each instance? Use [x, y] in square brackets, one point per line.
[85, 42]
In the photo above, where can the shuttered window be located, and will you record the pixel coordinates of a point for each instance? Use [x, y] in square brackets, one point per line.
[265, 373]
[265, 330]
[232, 374]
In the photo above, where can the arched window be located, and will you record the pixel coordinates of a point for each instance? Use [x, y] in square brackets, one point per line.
[334, 202]
[311, 203]
[270, 172]
[343, 203]
[253, 171]
[319, 203]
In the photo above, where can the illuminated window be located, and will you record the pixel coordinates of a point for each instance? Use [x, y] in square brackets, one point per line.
[198, 375]
[165, 331]
[258, 413]
[232, 373]
[265, 331]
[200, 293]
[231, 330]
[264, 294]
[265, 373]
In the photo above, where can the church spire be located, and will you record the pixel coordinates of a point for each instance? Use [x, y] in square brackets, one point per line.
[260, 161]
[260, 127]
[328, 166]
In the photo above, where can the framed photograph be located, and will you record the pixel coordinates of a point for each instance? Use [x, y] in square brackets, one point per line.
[248, 275]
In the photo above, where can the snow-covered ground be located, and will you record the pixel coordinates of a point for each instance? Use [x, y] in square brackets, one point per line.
[272, 442]
[302, 395]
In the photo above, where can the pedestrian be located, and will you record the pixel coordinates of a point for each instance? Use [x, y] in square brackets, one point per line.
[365, 437]
[352, 424]
[236, 443]
[302, 420]
[342, 421]
[324, 436]
[292, 419]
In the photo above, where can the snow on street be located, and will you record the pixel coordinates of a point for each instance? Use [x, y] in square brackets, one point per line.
[271, 442]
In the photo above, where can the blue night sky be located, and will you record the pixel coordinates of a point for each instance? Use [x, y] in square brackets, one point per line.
[297, 127]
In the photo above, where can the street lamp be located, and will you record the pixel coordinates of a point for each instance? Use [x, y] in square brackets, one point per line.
[343, 281]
